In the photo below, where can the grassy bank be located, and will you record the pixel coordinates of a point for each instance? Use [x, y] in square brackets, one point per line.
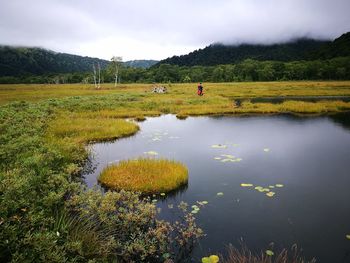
[46, 213]
[145, 175]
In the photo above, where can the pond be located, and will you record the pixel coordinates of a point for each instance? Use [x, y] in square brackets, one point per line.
[307, 157]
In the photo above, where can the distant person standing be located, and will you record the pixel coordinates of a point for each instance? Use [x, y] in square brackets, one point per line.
[200, 89]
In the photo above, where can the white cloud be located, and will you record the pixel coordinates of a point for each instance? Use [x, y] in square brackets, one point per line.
[157, 29]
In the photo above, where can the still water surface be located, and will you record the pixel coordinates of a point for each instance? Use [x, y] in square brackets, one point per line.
[309, 156]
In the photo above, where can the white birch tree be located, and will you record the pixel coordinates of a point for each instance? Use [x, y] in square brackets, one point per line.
[116, 65]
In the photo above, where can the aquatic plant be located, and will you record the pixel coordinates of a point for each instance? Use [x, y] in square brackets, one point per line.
[145, 175]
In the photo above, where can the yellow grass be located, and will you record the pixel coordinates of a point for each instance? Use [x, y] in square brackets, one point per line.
[179, 94]
[81, 127]
[145, 175]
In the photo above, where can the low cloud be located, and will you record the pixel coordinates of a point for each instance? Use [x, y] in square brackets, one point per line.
[159, 28]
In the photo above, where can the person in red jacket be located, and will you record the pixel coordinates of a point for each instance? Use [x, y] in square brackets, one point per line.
[200, 89]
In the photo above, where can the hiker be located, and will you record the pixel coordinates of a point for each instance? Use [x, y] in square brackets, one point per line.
[200, 89]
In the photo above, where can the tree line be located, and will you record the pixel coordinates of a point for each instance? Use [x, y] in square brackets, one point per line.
[247, 70]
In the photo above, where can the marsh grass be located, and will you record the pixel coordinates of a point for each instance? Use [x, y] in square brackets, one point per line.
[83, 128]
[145, 175]
[244, 255]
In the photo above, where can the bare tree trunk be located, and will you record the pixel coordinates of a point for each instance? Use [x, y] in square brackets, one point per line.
[116, 76]
[93, 65]
[99, 75]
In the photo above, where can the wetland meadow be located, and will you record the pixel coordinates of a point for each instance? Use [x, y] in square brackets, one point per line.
[263, 164]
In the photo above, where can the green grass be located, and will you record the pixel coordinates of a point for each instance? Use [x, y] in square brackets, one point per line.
[83, 128]
[145, 175]
[134, 100]
[43, 133]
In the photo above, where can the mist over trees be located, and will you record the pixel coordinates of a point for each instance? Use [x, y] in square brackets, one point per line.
[326, 61]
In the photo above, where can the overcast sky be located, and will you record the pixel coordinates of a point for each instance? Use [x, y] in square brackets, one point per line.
[157, 29]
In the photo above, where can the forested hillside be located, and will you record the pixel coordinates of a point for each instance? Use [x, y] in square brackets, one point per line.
[140, 63]
[38, 61]
[301, 49]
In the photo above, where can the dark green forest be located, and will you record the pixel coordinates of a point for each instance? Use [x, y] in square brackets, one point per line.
[299, 60]
[300, 49]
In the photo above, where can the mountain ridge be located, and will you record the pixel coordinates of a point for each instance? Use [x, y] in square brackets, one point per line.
[297, 49]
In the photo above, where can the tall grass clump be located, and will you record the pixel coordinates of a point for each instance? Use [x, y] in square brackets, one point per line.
[145, 175]
[244, 255]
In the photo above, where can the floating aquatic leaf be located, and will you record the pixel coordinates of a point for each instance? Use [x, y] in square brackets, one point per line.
[217, 158]
[271, 186]
[266, 150]
[154, 200]
[204, 202]
[269, 252]
[194, 206]
[270, 194]
[219, 146]
[348, 236]
[266, 190]
[220, 193]
[228, 156]
[279, 185]
[162, 194]
[151, 153]
[210, 259]
[214, 259]
[239, 159]
[258, 188]
[246, 185]
[226, 160]
[194, 211]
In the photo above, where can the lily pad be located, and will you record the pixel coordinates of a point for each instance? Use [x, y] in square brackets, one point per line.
[217, 158]
[162, 194]
[246, 185]
[348, 236]
[271, 186]
[238, 159]
[228, 156]
[210, 259]
[258, 188]
[220, 194]
[194, 211]
[219, 146]
[204, 202]
[279, 185]
[270, 194]
[151, 153]
[214, 259]
[226, 160]
[266, 149]
[269, 252]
